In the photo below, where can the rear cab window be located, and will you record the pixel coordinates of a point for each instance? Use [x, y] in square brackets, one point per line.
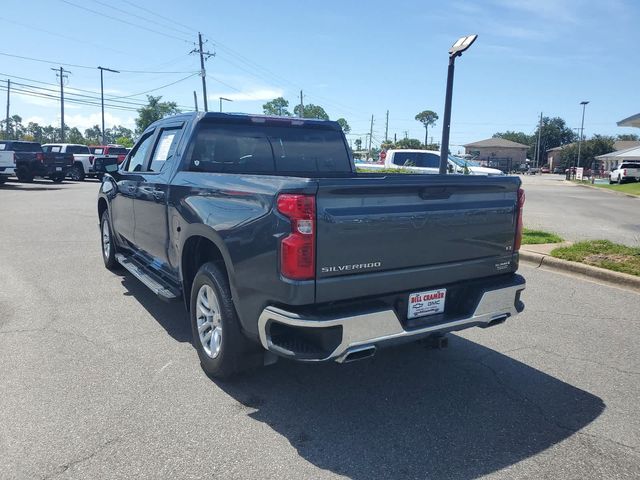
[78, 149]
[416, 159]
[52, 148]
[264, 148]
[630, 165]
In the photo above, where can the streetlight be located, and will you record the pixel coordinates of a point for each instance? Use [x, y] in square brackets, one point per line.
[584, 106]
[102, 69]
[456, 50]
[226, 100]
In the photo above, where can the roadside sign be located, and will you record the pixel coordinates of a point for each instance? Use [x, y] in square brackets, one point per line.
[579, 172]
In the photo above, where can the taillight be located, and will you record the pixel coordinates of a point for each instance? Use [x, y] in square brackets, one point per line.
[91, 157]
[14, 157]
[297, 250]
[40, 157]
[519, 227]
[624, 172]
[121, 158]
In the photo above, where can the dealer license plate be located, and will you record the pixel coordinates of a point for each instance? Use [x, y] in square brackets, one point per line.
[426, 303]
[58, 169]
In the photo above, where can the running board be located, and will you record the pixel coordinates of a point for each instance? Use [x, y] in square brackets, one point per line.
[151, 280]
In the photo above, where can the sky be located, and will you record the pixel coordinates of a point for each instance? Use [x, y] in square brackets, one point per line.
[355, 59]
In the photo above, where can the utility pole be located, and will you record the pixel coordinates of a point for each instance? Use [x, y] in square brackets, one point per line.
[195, 100]
[60, 72]
[537, 160]
[102, 97]
[370, 134]
[395, 138]
[386, 128]
[203, 71]
[8, 101]
[584, 105]
[406, 134]
[301, 106]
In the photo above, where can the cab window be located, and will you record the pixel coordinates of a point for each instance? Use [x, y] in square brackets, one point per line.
[139, 153]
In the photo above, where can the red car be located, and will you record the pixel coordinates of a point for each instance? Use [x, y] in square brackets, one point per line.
[109, 151]
[545, 170]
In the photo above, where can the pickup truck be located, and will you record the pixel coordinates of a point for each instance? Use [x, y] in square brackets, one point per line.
[31, 161]
[427, 161]
[7, 164]
[118, 151]
[625, 172]
[82, 159]
[279, 248]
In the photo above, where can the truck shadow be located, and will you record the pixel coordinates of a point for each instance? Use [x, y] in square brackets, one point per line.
[409, 412]
[36, 185]
[413, 413]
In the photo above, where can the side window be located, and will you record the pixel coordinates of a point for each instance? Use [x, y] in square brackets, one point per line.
[139, 153]
[165, 148]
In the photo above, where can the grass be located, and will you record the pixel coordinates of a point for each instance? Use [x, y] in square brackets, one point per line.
[603, 254]
[631, 188]
[531, 237]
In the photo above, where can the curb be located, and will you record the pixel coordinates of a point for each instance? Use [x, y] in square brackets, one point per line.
[623, 279]
[615, 192]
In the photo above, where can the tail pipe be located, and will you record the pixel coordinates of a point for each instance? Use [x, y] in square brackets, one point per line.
[357, 353]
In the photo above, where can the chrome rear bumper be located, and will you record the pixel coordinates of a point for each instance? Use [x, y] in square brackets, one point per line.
[380, 327]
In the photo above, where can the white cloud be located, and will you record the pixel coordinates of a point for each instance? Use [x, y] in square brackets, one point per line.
[257, 94]
[82, 122]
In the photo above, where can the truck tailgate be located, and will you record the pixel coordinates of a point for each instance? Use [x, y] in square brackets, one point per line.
[388, 234]
[58, 159]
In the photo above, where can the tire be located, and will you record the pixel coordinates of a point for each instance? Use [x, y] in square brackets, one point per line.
[611, 182]
[109, 250]
[24, 177]
[57, 179]
[76, 173]
[222, 347]
[619, 180]
[2, 179]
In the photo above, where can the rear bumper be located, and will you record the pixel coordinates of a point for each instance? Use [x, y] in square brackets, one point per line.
[7, 171]
[335, 337]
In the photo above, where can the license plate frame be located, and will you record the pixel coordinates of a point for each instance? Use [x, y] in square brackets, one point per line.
[426, 303]
[58, 169]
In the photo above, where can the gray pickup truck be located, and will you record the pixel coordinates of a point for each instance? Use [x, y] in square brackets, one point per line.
[279, 248]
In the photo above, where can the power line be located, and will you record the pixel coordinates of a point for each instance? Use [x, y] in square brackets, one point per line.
[104, 15]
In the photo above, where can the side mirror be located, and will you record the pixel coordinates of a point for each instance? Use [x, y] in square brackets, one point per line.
[106, 164]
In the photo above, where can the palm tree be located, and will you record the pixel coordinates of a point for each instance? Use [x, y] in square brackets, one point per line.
[427, 118]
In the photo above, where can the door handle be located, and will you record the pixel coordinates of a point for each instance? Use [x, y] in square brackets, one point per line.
[158, 194]
[132, 188]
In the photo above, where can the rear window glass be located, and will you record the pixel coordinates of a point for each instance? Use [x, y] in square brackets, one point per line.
[116, 151]
[267, 148]
[79, 149]
[52, 148]
[23, 147]
[96, 150]
[631, 165]
[416, 159]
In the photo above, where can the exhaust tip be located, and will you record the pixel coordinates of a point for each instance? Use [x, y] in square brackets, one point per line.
[358, 353]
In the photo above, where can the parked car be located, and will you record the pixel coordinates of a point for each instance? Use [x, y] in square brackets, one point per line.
[264, 228]
[559, 170]
[118, 151]
[625, 172]
[428, 161]
[31, 161]
[7, 164]
[82, 159]
[545, 169]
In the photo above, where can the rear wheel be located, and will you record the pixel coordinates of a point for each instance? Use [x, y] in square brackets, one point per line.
[24, 177]
[619, 180]
[76, 173]
[107, 244]
[2, 179]
[221, 346]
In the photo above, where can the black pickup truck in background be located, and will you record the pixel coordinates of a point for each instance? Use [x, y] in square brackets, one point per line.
[32, 161]
[279, 248]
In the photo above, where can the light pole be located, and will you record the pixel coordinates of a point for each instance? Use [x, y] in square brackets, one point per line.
[456, 50]
[226, 100]
[102, 69]
[584, 106]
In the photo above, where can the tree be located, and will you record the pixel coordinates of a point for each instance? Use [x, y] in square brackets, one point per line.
[93, 135]
[277, 106]
[311, 111]
[344, 125]
[589, 150]
[75, 136]
[16, 129]
[554, 133]
[628, 136]
[409, 143]
[427, 118]
[154, 111]
[125, 141]
[358, 143]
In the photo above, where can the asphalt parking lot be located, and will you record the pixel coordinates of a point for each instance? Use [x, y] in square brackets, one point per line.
[99, 380]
